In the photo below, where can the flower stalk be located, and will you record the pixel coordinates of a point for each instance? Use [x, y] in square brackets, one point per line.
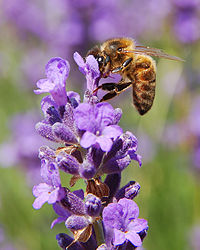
[98, 229]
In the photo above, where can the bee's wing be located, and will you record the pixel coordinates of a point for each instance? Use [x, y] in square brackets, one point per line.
[153, 52]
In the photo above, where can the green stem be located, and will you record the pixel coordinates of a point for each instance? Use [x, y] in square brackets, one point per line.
[98, 228]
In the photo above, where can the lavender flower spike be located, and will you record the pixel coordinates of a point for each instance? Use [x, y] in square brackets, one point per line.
[57, 71]
[92, 145]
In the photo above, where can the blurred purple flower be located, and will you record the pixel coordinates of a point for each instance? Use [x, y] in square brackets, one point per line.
[194, 117]
[122, 218]
[186, 20]
[194, 237]
[22, 147]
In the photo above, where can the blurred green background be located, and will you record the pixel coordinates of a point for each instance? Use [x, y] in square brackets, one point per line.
[168, 136]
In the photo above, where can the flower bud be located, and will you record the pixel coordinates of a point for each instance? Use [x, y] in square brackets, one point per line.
[92, 205]
[75, 222]
[63, 133]
[73, 203]
[46, 153]
[65, 240]
[87, 170]
[129, 191]
[45, 130]
[68, 163]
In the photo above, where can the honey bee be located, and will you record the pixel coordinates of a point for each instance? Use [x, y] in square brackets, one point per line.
[136, 67]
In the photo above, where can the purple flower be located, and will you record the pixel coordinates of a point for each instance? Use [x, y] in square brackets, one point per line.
[121, 153]
[98, 123]
[50, 191]
[122, 218]
[57, 71]
[90, 69]
[186, 27]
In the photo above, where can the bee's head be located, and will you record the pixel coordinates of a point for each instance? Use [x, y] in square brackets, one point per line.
[117, 46]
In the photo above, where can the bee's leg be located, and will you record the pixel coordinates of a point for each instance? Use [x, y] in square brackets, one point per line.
[108, 96]
[124, 65]
[119, 88]
[122, 86]
[106, 86]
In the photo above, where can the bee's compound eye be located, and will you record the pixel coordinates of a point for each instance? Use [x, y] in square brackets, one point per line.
[119, 49]
[100, 59]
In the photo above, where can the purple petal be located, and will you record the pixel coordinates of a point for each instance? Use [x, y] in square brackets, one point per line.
[46, 103]
[85, 117]
[60, 210]
[112, 131]
[93, 66]
[104, 143]
[41, 188]
[74, 98]
[117, 116]
[134, 238]
[130, 210]
[128, 191]
[57, 68]
[104, 114]
[135, 157]
[54, 196]
[120, 237]
[57, 71]
[59, 95]
[68, 117]
[44, 86]
[112, 216]
[57, 221]
[138, 225]
[40, 200]
[88, 139]
[64, 241]
[80, 62]
[54, 174]
[64, 214]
